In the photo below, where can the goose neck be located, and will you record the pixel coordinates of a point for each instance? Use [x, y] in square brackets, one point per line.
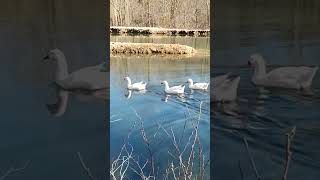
[259, 69]
[128, 82]
[166, 86]
[62, 68]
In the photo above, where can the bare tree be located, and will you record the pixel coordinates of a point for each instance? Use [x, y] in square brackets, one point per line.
[163, 13]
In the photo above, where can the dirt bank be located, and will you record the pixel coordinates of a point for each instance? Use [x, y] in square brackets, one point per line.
[149, 48]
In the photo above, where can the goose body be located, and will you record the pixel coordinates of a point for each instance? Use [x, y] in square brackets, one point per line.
[198, 86]
[285, 77]
[226, 91]
[88, 78]
[174, 89]
[217, 80]
[135, 86]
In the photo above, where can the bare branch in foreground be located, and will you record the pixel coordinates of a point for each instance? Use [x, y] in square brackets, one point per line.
[86, 168]
[182, 159]
[13, 170]
[241, 172]
[251, 159]
[290, 136]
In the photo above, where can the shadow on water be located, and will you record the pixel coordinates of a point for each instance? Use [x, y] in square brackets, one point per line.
[286, 33]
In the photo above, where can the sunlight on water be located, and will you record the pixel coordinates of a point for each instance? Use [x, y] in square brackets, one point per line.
[159, 113]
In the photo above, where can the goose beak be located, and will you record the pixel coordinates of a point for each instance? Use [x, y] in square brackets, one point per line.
[162, 83]
[45, 58]
[249, 63]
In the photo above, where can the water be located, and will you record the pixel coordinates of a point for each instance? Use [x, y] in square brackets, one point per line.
[158, 112]
[28, 132]
[264, 118]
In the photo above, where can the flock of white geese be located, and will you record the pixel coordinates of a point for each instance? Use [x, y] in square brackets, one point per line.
[224, 87]
[179, 89]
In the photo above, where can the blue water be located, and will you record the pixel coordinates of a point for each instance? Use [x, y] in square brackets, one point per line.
[158, 112]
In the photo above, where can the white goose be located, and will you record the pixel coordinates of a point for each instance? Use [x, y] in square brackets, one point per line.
[135, 86]
[284, 77]
[174, 89]
[197, 86]
[226, 91]
[88, 78]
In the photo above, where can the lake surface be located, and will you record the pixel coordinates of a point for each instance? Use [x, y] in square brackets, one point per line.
[28, 132]
[284, 35]
[158, 112]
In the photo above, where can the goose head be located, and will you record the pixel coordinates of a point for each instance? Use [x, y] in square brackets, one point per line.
[57, 56]
[257, 61]
[54, 55]
[190, 81]
[166, 84]
[128, 80]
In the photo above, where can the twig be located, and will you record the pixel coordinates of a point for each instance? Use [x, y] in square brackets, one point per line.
[241, 172]
[13, 170]
[146, 142]
[85, 167]
[251, 159]
[290, 136]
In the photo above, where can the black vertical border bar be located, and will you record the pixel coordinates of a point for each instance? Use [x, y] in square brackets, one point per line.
[107, 52]
[212, 120]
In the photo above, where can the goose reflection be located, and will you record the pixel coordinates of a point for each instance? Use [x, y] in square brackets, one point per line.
[229, 109]
[58, 108]
[129, 93]
[180, 97]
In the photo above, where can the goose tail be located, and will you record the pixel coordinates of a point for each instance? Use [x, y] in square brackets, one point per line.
[183, 86]
[235, 82]
[207, 85]
[310, 79]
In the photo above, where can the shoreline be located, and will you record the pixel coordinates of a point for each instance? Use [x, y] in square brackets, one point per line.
[122, 30]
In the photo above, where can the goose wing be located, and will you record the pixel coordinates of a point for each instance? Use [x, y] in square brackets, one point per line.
[215, 81]
[230, 84]
[139, 85]
[298, 73]
[90, 78]
[201, 85]
[227, 91]
[175, 88]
